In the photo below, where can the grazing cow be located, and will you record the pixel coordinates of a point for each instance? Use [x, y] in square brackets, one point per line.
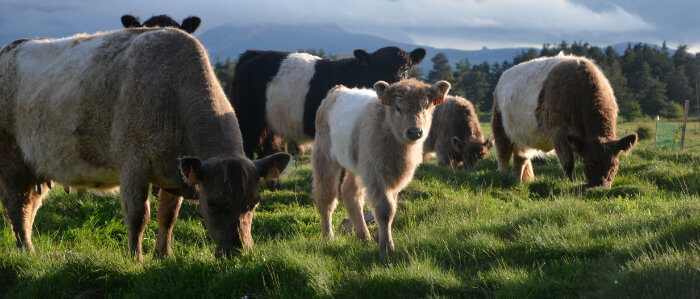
[563, 103]
[279, 92]
[189, 24]
[125, 108]
[377, 137]
[455, 135]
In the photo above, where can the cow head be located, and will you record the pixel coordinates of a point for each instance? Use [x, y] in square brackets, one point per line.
[189, 24]
[411, 106]
[228, 195]
[601, 157]
[470, 152]
[389, 64]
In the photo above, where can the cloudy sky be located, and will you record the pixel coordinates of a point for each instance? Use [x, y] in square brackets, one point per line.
[461, 24]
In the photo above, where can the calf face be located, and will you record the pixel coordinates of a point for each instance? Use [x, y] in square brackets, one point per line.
[228, 196]
[470, 152]
[389, 63]
[411, 105]
[601, 158]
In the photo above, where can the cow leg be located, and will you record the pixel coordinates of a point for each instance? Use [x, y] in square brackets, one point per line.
[19, 195]
[271, 143]
[504, 147]
[168, 208]
[565, 156]
[252, 134]
[522, 166]
[384, 207]
[134, 196]
[353, 196]
[326, 176]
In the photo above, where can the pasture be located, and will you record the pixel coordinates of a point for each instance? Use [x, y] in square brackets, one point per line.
[457, 233]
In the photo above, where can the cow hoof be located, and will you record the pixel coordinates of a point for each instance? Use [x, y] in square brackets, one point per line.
[273, 184]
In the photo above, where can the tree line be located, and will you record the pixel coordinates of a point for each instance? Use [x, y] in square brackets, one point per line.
[647, 81]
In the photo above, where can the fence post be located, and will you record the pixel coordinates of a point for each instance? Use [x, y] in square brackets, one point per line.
[685, 123]
[656, 131]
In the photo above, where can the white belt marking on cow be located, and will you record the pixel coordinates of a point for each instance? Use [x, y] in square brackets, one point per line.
[286, 96]
[342, 119]
[50, 103]
[517, 93]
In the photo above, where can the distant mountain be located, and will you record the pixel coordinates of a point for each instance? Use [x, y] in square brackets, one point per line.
[232, 40]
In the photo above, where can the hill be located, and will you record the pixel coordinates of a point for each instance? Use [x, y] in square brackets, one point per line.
[231, 40]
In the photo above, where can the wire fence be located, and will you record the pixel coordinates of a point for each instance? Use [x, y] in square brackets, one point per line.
[668, 136]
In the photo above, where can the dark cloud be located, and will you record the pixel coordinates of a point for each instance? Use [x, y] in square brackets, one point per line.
[464, 24]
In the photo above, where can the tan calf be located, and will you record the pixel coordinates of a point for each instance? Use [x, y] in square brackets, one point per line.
[377, 137]
[455, 135]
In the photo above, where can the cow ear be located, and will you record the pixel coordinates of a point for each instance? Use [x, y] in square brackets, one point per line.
[189, 169]
[456, 144]
[190, 24]
[275, 162]
[440, 90]
[626, 143]
[489, 143]
[577, 143]
[362, 56]
[130, 20]
[380, 88]
[417, 55]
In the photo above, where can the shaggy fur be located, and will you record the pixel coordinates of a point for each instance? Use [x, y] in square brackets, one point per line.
[120, 109]
[377, 138]
[563, 103]
[455, 135]
[189, 24]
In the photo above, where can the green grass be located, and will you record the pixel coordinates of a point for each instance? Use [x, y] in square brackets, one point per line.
[472, 233]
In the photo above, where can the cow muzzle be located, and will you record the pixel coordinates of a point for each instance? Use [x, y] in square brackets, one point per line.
[413, 133]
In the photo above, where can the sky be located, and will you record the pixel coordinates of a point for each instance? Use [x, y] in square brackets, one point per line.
[459, 24]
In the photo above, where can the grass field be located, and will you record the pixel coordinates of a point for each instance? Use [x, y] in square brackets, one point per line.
[457, 233]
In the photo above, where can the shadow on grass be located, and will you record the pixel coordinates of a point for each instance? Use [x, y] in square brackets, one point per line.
[75, 278]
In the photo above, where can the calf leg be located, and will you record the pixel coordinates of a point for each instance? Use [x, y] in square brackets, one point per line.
[326, 176]
[426, 157]
[522, 166]
[443, 159]
[134, 196]
[354, 199]
[384, 207]
[504, 147]
[168, 208]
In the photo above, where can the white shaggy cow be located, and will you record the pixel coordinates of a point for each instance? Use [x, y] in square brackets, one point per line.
[563, 103]
[377, 137]
[124, 109]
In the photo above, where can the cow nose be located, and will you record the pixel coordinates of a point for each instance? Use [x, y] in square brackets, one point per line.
[414, 133]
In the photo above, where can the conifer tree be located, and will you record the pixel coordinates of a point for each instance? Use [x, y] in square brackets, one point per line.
[441, 69]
